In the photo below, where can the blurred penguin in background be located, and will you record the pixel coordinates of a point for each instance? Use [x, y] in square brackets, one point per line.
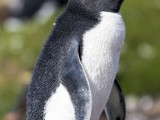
[18, 11]
[25, 9]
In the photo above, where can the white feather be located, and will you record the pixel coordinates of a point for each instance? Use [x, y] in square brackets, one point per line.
[59, 106]
[100, 58]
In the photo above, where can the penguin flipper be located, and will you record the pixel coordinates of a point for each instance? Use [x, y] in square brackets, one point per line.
[76, 82]
[70, 87]
[115, 108]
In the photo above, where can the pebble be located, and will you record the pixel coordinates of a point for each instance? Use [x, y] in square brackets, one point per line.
[144, 108]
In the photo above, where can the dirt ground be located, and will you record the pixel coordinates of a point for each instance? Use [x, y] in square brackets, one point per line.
[144, 108]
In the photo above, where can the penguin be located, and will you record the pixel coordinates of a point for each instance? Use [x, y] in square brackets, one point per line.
[76, 69]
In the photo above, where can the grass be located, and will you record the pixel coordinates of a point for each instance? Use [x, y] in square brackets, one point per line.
[140, 59]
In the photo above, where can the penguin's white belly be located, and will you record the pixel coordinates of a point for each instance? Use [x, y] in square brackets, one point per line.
[100, 58]
[59, 106]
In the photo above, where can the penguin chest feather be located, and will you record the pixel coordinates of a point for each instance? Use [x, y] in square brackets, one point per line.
[100, 58]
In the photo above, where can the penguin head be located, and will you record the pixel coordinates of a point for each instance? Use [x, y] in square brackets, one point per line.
[101, 5]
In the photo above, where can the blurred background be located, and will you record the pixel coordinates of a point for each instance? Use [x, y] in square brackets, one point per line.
[22, 37]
